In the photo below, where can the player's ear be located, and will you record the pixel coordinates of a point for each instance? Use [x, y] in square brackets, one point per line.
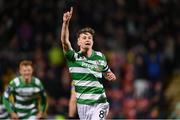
[78, 42]
[32, 69]
[20, 70]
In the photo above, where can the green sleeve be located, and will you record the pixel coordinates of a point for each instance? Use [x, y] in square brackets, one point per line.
[43, 97]
[7, 103]
[69, 55]
[43, 101]
[106, 67]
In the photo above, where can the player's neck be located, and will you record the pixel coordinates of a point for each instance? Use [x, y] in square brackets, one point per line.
[87, 52]
[28, 80]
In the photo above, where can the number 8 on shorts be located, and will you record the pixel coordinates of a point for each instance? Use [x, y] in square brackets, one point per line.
[101, 114]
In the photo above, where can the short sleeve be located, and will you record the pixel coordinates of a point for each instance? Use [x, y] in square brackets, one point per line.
[9, 89]
[70, 55]
[106, 67]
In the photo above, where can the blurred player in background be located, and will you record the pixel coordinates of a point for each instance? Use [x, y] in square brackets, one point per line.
[28, 94]
[87, 68]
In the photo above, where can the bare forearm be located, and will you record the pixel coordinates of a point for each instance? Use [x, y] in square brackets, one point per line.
[64, 32]
[72, 108]
[72, 105]
[65, 36]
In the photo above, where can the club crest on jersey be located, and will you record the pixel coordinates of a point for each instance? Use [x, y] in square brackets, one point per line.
[98, 62]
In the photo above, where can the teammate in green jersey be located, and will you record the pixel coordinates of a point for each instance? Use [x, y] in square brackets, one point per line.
[29, 97]
[87, 69]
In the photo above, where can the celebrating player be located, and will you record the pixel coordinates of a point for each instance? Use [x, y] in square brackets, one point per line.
[26, 91]
[87, 68]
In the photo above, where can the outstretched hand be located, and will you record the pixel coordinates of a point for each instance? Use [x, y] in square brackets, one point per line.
[39, 115]
[67, 15]
[14, 116]
[110, 76]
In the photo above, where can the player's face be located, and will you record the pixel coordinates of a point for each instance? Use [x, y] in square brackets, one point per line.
[85, 41]
[26, 72]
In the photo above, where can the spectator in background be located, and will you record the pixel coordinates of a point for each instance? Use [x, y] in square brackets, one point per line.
[153, 61]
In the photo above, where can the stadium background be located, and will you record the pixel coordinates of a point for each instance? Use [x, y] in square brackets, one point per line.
[141, 39]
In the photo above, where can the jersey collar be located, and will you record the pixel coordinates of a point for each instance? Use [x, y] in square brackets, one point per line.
[81, 54]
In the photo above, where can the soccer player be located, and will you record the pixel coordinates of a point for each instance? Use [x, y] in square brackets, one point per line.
[29, 97]
[87, 68]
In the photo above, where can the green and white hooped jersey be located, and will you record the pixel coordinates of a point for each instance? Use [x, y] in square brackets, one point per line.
[86, 73]
[25, 97]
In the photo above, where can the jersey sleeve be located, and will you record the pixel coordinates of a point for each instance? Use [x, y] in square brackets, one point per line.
[7, 103]
[70, 55]
[43, 96]
[43, 100]
[105, 67]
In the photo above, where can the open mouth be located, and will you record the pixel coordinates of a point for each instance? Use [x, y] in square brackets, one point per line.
[87, 44]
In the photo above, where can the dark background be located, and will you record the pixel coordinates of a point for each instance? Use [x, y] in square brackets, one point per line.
[139, 37]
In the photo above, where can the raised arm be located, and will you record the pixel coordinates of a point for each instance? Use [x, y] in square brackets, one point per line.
[65, 30]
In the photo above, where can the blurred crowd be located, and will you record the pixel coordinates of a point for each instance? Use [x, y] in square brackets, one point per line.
[141, 39]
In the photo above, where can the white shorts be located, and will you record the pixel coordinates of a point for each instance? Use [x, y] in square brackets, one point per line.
[93, 112]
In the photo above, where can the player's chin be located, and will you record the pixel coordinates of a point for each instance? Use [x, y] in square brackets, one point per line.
[112, 79]
[27, 76]
[88, 46]
[109, 79]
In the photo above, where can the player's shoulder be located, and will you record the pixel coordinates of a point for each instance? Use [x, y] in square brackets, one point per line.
[70, 51]
[37, 81]
[98, 53]
[15, 82]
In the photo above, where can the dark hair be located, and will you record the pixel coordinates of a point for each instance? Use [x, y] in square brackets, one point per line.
[85, 30]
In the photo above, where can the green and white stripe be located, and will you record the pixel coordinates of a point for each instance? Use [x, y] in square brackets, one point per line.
[85, 70]
[88, 83]
[3, 112]
[91, 96]
[26, 96]
[86, 74]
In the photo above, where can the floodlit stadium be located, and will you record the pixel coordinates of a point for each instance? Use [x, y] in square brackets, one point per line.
[140, 39]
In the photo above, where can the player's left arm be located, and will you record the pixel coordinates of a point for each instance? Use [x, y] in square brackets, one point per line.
[43, 103]
[107, 73]
[6, 98]
[72, 105]
[7, 102]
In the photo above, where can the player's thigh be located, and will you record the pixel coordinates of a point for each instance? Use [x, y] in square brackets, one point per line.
[101, 111]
